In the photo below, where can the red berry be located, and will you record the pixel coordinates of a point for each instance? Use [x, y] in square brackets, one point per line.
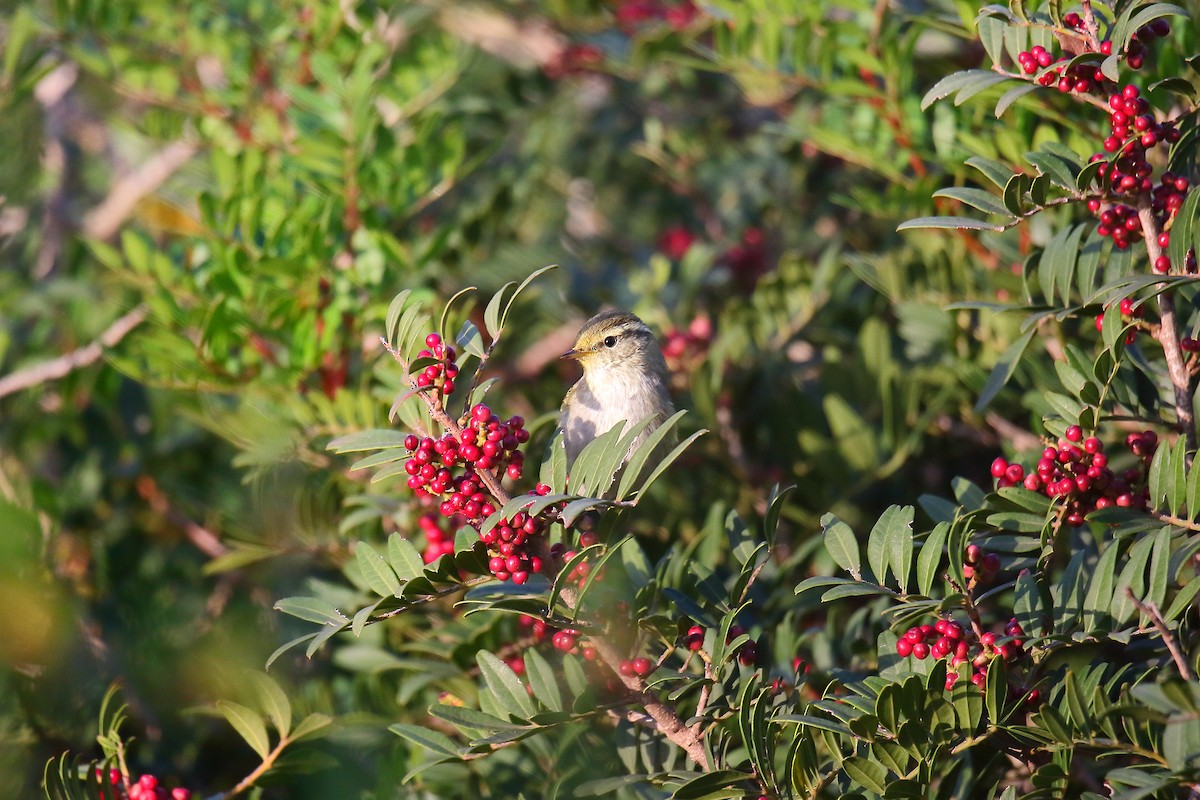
[904, 648]
[1074, 432]
[642, 666]
[625, 668]
[999, 467]
[920, 650]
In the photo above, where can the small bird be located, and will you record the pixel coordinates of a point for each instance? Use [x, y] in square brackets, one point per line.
[624, 381]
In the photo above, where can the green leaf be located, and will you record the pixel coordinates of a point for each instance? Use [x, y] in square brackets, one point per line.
[1160, 470]
[638, 459]
[375, 571]
[1011, 96]
[541, 679]
[667, 460]
[437, 743]
[948, 223]
[841, 544]
[470, 341]
[890, 543]
[930, 557]
[311, 609]
[311, 725]
[249, 726]
[994, 171]
[404, 558]
[1177, 476]
[1132, 578]
[976, 198]
[505, 686]
[367, 440]
[271, 699]
[472, 721]
[1183, 599]
[1006, 365]
[1100, 589]
[871, 775]
[393, 315]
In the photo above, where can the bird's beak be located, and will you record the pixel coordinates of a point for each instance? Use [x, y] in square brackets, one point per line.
[576, 354]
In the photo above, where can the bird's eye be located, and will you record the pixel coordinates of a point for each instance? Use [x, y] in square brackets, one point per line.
[610, 341]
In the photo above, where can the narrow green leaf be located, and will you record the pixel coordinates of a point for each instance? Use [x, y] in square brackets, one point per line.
[975, 198]
[1160, 469]
[930, 558]
[1177, 477]
[404, 558]
[1133, 579]
[1160, 563]
[435, 742]
[367, 440]
[470, 341]
[668, 460]
[375, 571]
[1183, 599]
[868, 774]
[393, 315]
[638, 459]
[311, 725]
[541, 679]
[1100, 589]
[1011, 96]
[491, 314]
[877, 549]
[311, 609]
[995, 171]
[1004, 369]
[951, 223]
[505, 686]
[248, 724]
[841, 544]
[900, 543]
[271, 699]
[517, 292]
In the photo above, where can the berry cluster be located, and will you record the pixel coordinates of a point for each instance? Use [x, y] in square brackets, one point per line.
[146, 787]
[511, 545]
[694, 638]
[440, 374]
[682, 348]
[675, 241]
[1077, 470]
[1083, 78]
[581, 570]
[486, 445]
[748, 259]
[949, 640]
[631, 14]
[980, 567]
[640, 666]
[1134, 132]
[574, 59]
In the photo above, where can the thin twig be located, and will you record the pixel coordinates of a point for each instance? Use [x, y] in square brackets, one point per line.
[1168, 333]
[205, 540]
[106, 219]
[64, 365]
[1151, 610]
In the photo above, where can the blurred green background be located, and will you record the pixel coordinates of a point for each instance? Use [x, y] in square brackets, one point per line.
[206, 209]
